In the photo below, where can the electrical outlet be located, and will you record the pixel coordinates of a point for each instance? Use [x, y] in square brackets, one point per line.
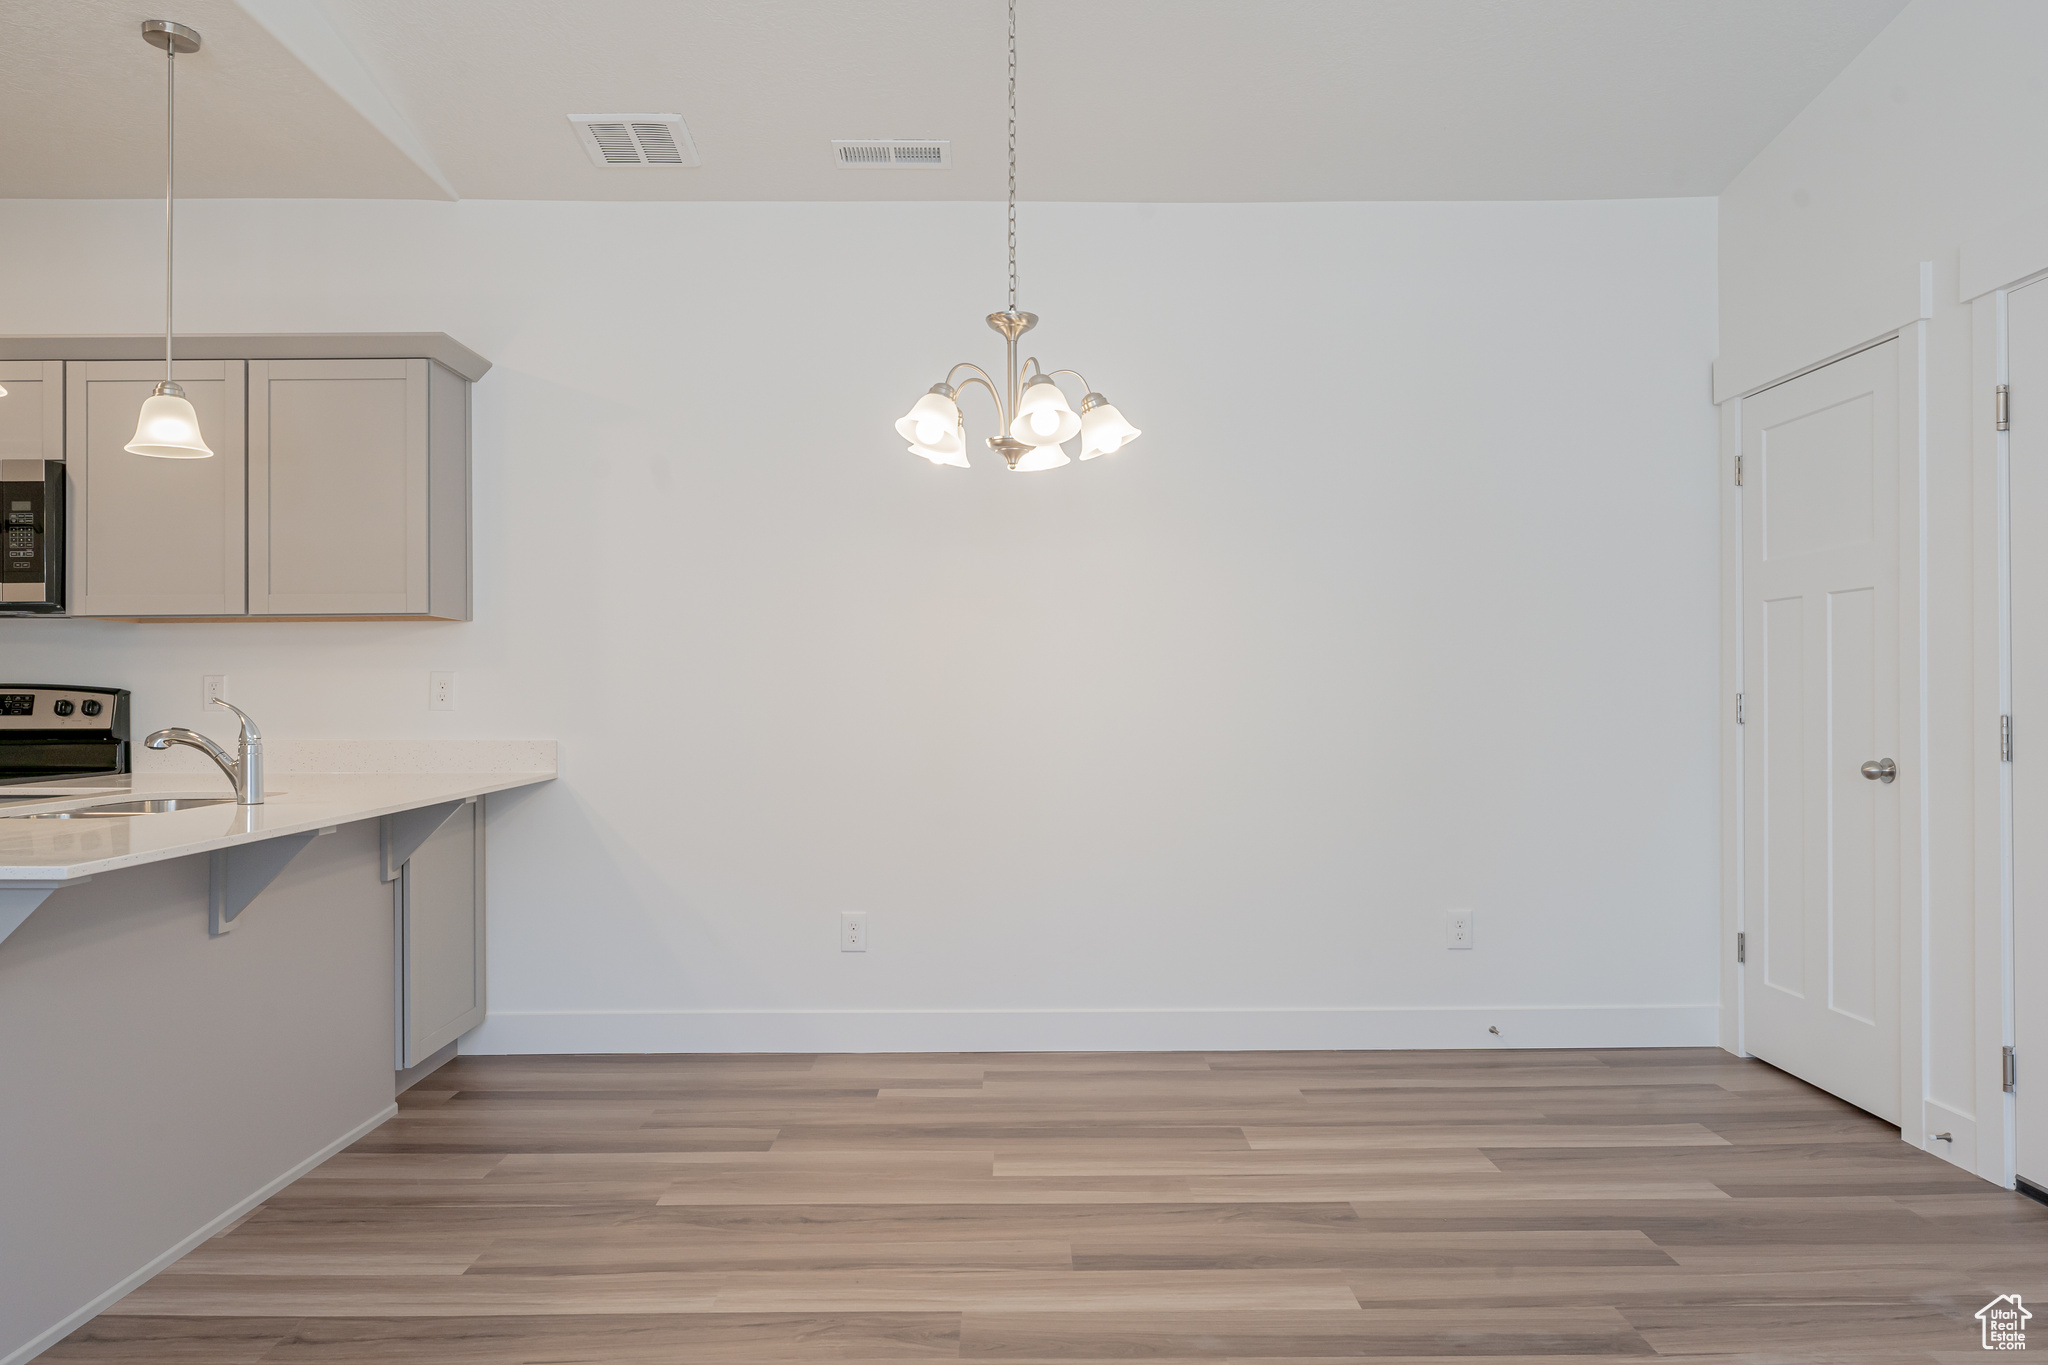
[440, 691]
[853, 931]
[1458, 928]
[214, 687]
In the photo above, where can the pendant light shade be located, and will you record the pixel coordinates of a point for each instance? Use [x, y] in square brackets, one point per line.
[168, 427]
[1103, 428]
[1044, 417]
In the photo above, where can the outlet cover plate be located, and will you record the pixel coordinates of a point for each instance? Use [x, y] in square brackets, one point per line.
[853, 931]
[1457, 928]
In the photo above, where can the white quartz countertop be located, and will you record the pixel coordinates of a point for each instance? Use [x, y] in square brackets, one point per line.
[66, 850]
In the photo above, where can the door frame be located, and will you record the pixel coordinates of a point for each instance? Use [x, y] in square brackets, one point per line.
[2006, 257]
[1991, 534]
[1912, 720]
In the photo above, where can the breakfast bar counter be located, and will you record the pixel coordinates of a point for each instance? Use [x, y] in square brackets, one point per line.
[165, 1075]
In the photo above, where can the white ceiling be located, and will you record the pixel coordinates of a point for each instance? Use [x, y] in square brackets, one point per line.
[1160, 100]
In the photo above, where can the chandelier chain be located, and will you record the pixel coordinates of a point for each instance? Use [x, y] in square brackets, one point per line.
[1013, 155]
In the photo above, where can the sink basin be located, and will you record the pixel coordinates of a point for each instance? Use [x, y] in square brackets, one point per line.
[118, 808]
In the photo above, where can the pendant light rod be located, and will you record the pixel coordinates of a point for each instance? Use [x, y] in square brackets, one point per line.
[173, 39]
[170, 189]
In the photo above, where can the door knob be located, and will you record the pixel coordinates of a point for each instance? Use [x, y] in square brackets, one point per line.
[1880, 770]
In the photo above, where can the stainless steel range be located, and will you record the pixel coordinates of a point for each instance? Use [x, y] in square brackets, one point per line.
[50, 733]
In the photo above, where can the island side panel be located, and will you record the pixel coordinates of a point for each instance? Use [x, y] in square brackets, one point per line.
[156, 1077]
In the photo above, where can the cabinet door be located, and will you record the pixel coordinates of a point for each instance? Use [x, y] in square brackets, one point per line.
[338, 487]
[441, 937]
[32, 413]
[154, 537]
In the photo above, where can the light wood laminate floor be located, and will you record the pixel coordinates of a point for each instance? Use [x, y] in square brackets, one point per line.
[1498, 1206]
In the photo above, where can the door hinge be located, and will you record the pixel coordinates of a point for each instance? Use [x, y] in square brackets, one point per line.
[2003, 406]
[1738, 470]
[2005, 739]
[1742, 947]
[1740, 716]
[2011, 1078]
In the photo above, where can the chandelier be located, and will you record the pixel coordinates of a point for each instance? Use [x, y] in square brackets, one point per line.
[1036, 420]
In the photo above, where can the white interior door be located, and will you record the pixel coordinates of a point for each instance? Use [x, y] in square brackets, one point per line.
[1821, 684]
[2027, 373]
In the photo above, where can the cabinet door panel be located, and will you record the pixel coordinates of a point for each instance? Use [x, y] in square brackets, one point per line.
[338, 487]
[154, 537]
[441, 937]
[32, 417]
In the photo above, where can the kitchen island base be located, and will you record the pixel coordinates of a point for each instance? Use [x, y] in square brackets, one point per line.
[162, 1081]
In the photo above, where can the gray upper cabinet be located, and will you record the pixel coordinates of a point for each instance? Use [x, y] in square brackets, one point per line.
[339, 484]
[32, 413]
[344, 517]
[154, 537]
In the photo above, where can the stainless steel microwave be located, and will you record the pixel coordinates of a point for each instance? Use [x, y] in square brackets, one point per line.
[31, 537]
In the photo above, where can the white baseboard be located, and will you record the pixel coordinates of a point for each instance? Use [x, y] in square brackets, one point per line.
[1225, 1030]
[44, 1340]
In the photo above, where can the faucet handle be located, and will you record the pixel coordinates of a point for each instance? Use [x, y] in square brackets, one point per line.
[250, 734]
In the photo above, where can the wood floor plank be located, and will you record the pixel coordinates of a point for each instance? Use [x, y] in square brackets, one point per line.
[642, 1339]
[1480, 1134]
[1518, 1333]
[419, 1296]
[172, 1340]
[1491, 1205]
[645, 1247]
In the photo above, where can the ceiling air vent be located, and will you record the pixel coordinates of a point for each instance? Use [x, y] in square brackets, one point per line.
[636, 139]
[924, 154]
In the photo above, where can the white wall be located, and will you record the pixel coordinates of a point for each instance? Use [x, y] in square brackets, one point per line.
[1405, 601]
[1924, 143]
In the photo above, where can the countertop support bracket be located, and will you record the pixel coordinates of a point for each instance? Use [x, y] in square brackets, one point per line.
[400, 835]
[241, 873]
[18, 900]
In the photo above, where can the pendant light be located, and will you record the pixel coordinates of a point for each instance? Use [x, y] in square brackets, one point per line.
[1036, 419]
[168, 427]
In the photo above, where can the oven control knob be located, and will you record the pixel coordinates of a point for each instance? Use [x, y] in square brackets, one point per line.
[91, 708]
[63, 708]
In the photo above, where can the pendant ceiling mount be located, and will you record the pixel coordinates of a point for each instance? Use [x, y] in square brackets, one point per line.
[173, 38]
[167, 427]
[1033, 413]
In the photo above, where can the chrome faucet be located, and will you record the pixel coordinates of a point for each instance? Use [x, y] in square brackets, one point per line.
[245, 770]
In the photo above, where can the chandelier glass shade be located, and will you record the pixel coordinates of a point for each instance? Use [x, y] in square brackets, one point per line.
[1103, 428]
[1033, 417]
[1043, 416]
